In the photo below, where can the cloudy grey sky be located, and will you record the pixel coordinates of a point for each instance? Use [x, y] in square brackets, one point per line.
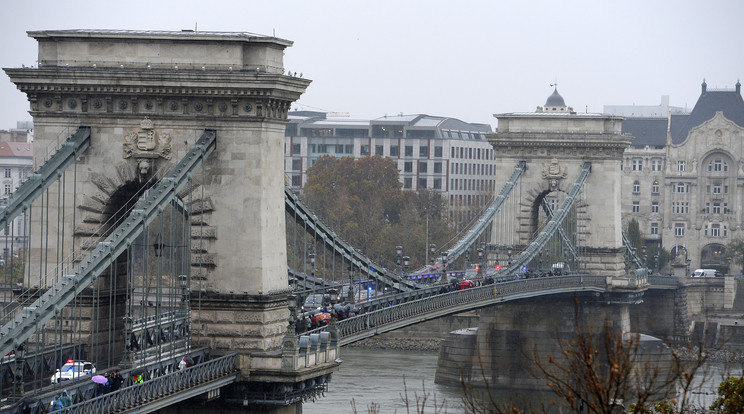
[465, 59]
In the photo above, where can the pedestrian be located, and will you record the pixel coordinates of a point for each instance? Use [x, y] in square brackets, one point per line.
[182, 365]
[116, 380]
[65, 399]
[56, 404]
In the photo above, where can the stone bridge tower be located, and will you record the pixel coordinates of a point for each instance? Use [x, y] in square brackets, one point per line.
[556, 141]
[148, 95]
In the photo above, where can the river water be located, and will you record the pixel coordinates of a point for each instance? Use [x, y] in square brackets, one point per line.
[372, 376]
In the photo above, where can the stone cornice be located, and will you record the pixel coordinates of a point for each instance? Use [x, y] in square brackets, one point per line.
[139, 93]
[585, 146]
[157, 82]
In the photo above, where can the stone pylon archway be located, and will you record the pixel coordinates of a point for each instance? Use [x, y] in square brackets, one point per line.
[555, 146]
[148, 96]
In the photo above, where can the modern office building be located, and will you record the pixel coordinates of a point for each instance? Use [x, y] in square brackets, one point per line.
[432, 152]
[683, 177]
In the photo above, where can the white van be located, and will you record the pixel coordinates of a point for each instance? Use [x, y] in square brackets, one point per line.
[704, 273]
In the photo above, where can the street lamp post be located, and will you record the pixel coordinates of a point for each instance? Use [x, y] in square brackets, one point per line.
[312, 272]
[480, 261]
[508, 255]
[398, 256]
[432, 250]
[406, 261]
[444, 262]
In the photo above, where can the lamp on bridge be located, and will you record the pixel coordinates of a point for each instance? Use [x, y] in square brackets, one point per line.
[398, 256]
[433, 249]
[444, 261]
[406, 261]
[508, 255]
[480, 261]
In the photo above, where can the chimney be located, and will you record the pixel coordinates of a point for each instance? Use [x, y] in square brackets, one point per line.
[705, 85]
[738, 87]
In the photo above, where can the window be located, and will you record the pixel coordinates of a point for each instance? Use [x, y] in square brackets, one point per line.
[655, 229]
[438, 152]
[715, 230]
[423, 167]
[681, 165]
[437, 183]
[393, 150]
[636, 207]
[680, 188]
[637, 164]
[296, 180]
[716, 188]
[654, 206]
[718, 165]
[407, 183]
[378, 150]
[8, 189]
[655, 187]
[422, 183]
[349, 149]
[655, 164]
[296, 164]
[408, 166]
[409, 150]
[679, 229]
[680, 207]
[296, 149]
[437, 167]
[636, 187]
[364, 150]
[424, 151]
[716, 208]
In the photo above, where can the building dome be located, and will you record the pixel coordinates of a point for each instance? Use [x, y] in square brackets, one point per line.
[555, 99]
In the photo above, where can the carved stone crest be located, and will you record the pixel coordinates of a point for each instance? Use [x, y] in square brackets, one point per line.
[554, 171]
[146, 142]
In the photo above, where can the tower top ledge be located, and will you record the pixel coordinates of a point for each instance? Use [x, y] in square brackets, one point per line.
[152, 49]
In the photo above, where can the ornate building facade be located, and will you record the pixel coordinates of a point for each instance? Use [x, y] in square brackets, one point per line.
[683, 177]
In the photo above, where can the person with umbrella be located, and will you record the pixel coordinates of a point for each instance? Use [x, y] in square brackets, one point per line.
[101, 382]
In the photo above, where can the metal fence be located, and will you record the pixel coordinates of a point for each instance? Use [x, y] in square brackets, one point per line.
[151, 395]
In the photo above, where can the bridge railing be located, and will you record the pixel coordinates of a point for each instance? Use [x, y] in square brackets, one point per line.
[151, 391]
[440, 304]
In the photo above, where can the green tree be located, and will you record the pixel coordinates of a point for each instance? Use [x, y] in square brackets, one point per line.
[362, 201]
[633, 233]
[735, 252]
[731, 396]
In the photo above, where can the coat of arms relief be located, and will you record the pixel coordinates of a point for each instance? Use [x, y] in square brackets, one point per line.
[145, 146]
[554, 171]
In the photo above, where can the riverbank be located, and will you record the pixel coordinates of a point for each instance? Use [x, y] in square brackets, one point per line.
[398, 344]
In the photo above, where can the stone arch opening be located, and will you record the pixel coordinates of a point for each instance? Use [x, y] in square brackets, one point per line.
[713, 256]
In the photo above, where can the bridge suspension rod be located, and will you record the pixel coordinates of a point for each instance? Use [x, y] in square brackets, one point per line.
[536, 246]
[487, 218]
[22, 326]
[45, 176]
[332, 240]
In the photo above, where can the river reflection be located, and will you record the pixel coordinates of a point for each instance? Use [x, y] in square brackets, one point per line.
[377, 376]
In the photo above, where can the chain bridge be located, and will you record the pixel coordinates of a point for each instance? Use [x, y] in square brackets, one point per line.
[155, 222]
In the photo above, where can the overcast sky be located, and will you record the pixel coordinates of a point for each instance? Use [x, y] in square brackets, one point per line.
[464, 59]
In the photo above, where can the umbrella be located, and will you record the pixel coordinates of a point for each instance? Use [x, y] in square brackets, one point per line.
[113, 370]
[99, 379]
[188, 360]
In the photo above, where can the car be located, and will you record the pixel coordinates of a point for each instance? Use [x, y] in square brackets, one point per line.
[73, 370]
